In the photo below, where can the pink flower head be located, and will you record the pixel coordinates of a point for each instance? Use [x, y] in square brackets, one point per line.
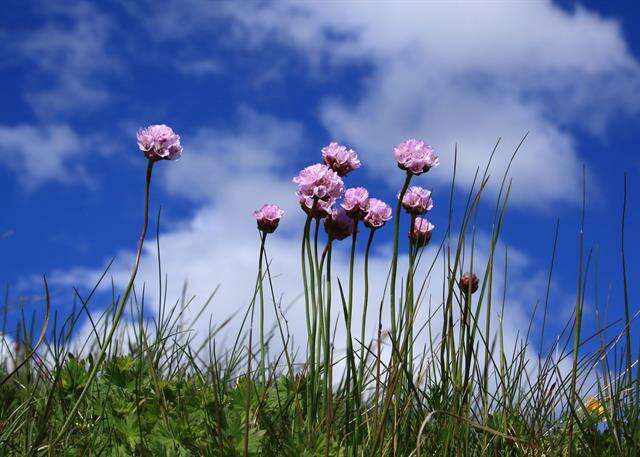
[339, 225]
[340, 159]
[158, 142]
[417, 200]
[421, 231]
[268, 218]
[379, 213]
[356, 202]
[415, 156]
[318, 189]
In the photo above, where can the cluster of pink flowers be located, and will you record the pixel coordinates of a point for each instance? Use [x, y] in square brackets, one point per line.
[318, 189]
[421, 231]
[417, 200]
[159, 142]
[340, 159]
[268, 217]
[415, 156]
[320, 186]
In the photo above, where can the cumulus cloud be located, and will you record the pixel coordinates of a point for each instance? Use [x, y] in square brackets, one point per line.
[465, 73]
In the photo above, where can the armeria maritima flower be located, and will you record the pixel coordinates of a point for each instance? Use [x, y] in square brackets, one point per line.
[379, 213]
[356, 202]
[318, 189]
[338, 225]
[159, 142]
[421, 231]
[415, 156]
[268, 217]
[469, 282]
[340, 159]
[417, 200]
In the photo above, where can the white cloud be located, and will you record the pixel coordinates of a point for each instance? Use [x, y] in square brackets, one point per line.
[466, 72]
[68, 58]
[41, 154]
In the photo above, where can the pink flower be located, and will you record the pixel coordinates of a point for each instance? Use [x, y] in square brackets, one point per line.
[338, 225]
[415, 156]
[158, 142]
[340, 159]
[417, 200]
[421, 231]
[356, 202]
[318, 189]
[379, 213]
[268, 217]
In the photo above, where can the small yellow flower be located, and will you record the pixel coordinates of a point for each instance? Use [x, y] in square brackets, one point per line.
[594, 406]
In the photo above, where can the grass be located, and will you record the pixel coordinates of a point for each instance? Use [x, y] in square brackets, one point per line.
[148, 388]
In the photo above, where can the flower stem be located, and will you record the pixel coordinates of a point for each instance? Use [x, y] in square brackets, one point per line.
[394, 260]
[364, 308]
[119, 309]
[263, 351]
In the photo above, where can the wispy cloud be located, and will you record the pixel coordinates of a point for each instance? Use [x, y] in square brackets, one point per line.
[68, 58]
[200, 67]
[39, 155]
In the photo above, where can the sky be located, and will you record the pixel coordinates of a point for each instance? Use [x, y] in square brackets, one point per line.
[256, 89]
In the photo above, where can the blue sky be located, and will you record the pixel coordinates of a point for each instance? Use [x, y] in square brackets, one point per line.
[256, 89]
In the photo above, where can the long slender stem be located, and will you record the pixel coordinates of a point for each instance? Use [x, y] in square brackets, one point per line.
[348, 311]
[327, 320]
[119, 309]
[263, 351]
[413, 251]
[327, 348]
[314, 331]
[318, 270]
[365, 306]
[303, 262]
[394, 260]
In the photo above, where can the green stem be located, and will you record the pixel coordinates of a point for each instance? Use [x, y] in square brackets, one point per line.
[394, 260]
[263, 351]
[409, 305]
[351, 368]
[314, 330]
[303, 262]
[119, 309]
[327, 342]
[318, 270]
[364, 308]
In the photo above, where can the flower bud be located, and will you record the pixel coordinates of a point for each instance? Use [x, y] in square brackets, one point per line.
[469, 283]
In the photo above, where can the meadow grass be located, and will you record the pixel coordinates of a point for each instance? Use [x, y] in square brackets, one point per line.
[151, 388]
